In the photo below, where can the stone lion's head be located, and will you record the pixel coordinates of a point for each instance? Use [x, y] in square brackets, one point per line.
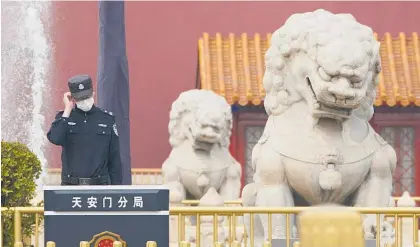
[328, 60]
[201, 117]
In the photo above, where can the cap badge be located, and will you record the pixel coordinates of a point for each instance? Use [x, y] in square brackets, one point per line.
[81, 87]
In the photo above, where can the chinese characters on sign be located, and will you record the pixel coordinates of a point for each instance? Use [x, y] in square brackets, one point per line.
[77, 202]
[106, 202]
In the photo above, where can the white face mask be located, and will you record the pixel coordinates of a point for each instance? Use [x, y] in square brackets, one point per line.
[86, 104]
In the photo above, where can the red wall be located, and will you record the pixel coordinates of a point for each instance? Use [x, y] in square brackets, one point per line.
[162, 50]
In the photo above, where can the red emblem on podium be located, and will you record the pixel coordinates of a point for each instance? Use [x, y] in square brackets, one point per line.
[106, 239]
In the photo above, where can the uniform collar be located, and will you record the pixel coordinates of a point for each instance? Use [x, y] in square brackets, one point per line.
[92, 110]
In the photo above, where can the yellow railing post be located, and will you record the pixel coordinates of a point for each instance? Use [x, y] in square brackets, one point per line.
[218, 244]
[415, 229]
[36, 230]
[236, 244]
[185, 244]
[50, 244]
[151, 244]
[267, 244]
[117, 244]
[18, 244]
[84, 244]
[18, 226]
[1, 232]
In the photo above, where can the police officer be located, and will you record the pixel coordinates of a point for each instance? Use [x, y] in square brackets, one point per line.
[88, 137]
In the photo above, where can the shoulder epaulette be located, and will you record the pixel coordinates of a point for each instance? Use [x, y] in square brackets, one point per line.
[107, 112]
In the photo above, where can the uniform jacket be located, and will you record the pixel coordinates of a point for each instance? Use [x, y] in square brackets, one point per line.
[90, 145]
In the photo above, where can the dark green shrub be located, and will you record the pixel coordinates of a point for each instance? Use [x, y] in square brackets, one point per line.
[20, 168]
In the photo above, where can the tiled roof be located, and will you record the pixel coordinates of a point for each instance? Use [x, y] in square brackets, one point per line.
[234, 67]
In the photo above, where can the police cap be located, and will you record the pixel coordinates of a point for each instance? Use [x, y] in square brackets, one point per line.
[80, 87]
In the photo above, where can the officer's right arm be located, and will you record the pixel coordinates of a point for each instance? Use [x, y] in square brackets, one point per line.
[58, 130]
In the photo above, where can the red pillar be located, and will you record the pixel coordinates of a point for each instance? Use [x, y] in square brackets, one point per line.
[236, 147]
[377, 127]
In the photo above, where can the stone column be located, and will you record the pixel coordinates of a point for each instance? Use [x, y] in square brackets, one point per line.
[407, 223]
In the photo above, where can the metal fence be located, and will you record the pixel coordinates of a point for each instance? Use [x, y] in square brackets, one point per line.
[153, 244]
[232, 212]
[183, 244]
[87, 244]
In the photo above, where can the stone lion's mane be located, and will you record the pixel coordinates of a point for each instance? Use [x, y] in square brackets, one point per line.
[305, 33]
[184, 109]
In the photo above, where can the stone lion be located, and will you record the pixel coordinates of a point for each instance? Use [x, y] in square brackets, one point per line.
[317, 146]
[200, 127]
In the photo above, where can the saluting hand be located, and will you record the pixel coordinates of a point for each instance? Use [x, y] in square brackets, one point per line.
[68, 104]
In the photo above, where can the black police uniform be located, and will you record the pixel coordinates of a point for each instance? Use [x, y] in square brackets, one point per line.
[90, 146]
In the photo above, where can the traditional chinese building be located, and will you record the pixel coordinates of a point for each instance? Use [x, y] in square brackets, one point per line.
[233, 66]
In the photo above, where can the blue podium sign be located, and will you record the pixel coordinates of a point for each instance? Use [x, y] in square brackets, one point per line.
[103, 214]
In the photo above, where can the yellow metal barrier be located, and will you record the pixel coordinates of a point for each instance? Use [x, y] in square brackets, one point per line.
[185, 244]
[232, 212]
[50, 244]
[397, 213]
[267, 244]
[115, 244]
[84, 244]
[151, 244]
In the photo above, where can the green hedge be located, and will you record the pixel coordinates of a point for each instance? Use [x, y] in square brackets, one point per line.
[20, 168]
